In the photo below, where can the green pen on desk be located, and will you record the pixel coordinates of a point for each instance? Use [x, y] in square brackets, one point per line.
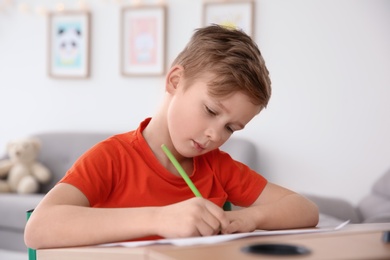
[181, 170]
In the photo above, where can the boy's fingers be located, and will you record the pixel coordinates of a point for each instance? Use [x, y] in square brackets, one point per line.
[205, 229]
[231, 228]
[219, 215]
[224, 223]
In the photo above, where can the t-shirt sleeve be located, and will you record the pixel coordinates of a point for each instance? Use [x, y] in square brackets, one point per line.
[242, 184]
[92, 173]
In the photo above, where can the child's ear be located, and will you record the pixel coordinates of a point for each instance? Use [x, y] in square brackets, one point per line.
[173, 78]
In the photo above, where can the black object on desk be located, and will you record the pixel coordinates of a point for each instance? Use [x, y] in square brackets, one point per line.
[386, 236]
[276, 249]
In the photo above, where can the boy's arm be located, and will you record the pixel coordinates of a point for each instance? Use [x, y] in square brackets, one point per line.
[275, 208]
[64, 218]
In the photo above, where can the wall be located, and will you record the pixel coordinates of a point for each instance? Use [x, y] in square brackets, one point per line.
[326, 130]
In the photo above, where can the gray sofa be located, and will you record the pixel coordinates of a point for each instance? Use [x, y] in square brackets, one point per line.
[373, 208]
[59, 151]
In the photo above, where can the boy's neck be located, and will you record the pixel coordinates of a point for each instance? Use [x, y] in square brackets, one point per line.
[156, 134]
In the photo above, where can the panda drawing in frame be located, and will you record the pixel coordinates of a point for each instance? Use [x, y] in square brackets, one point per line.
[69, 34]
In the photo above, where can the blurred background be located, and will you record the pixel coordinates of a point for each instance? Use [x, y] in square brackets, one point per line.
[326, 130]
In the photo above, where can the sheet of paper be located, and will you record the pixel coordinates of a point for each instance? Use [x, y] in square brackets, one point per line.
[223, 238]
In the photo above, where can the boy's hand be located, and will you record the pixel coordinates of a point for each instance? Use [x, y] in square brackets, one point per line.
[239, 222]
[193, 217]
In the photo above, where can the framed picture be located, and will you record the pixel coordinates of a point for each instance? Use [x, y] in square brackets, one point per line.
[230, 13]
[143, 40]
[69, 44]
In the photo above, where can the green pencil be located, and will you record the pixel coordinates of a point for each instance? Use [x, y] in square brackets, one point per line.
[181, 170]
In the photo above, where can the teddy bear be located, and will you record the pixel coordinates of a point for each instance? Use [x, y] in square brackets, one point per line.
[21, 173]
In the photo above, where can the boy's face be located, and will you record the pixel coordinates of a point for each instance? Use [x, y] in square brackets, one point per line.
[199, 123]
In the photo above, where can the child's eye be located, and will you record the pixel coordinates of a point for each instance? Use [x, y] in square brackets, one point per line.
[229, 129]
[209, 111]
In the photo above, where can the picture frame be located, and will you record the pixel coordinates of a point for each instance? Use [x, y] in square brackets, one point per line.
[238, 14]
[143, 40]
[69, 44]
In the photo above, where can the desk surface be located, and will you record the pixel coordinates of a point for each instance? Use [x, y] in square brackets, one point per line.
[355, 241]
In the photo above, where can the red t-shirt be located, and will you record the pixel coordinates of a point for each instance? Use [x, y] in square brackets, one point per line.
[122, 171]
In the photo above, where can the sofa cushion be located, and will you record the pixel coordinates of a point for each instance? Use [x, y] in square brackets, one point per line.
[336, 207]
[382, 218]
[382, 185]
[13, 208]
[61, 149]
[374, 207]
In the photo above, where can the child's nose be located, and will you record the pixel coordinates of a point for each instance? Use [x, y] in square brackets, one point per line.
[213, 134]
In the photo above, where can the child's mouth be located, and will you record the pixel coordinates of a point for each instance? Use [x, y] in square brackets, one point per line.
[198, 146]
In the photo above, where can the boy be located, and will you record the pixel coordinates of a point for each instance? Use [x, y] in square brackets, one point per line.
[126, 188]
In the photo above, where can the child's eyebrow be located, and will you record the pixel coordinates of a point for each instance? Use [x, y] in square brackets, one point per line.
[219, 104]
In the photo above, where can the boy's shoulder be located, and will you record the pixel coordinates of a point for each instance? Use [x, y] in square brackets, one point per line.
[124, 138]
